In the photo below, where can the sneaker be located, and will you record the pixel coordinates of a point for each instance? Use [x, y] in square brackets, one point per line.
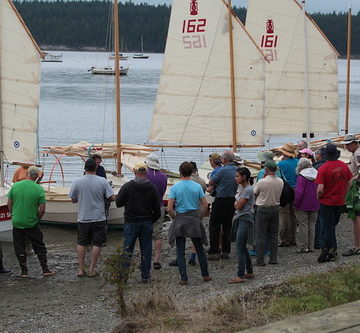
[173, 263]
[324, 255]
[214, 256]
[351, 252]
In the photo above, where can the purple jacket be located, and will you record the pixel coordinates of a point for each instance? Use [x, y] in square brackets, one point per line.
[305, 191]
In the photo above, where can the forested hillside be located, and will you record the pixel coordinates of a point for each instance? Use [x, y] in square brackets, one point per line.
[85, 24]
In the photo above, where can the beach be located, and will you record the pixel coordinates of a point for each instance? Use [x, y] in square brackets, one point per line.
[66, 303]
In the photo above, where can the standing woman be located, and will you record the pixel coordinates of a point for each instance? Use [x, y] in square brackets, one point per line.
[244, 217]
[189, 199]
[306, 204]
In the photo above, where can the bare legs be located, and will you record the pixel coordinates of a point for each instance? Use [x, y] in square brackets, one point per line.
[95, 252]
[158, 246]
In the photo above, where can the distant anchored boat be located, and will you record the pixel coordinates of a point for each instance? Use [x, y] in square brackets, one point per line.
[141, 55]
[52, 57]
[108, 70]
[121, 56]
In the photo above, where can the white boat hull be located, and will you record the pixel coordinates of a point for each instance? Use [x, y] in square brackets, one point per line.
[108, 71]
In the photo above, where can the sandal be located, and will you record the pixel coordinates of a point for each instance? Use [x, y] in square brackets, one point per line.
[83, 274]
[157, 265]
[237, 280]
[91, 274]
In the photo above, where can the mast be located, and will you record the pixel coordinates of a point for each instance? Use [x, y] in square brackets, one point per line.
[117, 88]
[142, 45]
[348, 71]
[306, 76]
[232, 78]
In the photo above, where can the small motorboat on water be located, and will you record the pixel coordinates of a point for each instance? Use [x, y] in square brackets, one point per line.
[140, 56]
[52, 57]
[108, 70]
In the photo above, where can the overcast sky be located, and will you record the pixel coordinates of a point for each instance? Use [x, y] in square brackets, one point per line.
[324, 6]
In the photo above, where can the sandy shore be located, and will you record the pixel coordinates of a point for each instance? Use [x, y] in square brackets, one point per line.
[66, 303]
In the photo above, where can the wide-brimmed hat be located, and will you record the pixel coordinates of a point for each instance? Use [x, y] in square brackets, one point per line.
[237, 159]
[306, 151]
[349, 139]
[331, 152]
[288, 149]
[264, 156]
[152, 162]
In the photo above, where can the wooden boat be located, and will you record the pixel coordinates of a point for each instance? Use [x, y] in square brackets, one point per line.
[19, 92]
[108, 70]
[141, 55]
[52, 57]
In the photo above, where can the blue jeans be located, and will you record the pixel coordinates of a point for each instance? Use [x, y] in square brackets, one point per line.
[142, 231]
[242, 251]
[180, 256]
[330, 216]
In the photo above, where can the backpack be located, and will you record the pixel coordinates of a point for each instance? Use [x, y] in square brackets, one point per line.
[287, 194]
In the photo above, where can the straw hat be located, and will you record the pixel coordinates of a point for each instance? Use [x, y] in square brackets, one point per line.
[152, 162]
[288, 149]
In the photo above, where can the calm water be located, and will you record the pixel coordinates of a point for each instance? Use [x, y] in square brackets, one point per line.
[77, 106]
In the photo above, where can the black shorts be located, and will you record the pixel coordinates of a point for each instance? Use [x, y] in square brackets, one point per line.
[92, 233]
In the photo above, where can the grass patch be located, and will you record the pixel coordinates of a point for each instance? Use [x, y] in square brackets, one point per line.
[159, 313]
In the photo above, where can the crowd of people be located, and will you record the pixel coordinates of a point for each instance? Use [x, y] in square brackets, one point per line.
[296, 201]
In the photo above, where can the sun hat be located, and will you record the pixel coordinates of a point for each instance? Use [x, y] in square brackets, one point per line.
[269, 164]
[349, 139]
[288, 149]
[237, 159]
[152, 162]
[306, 151]
[264, 156]
[331, 152]
[140, 166]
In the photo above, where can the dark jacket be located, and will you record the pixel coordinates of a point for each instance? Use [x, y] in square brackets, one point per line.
[141, 201]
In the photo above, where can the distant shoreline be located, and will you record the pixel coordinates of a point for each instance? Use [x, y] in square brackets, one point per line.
[101, 49]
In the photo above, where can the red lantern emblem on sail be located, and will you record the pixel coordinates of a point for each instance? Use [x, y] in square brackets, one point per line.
[270, 26]
[194, 7]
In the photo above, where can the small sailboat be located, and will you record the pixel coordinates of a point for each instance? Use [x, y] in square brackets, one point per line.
[20, 93]
[141, 55]
[108, 70]
[121, 56]
[52, 57]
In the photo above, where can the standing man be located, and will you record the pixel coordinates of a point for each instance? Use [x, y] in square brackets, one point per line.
[159, 179]
[287, 167]
[352, 145]
[333, 179]
[100, 171]
[26, 203]
[223, 207]
[267, 192]
[90, 192]
[142, 209]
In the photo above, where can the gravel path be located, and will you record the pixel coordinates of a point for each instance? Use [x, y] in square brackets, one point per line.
[65, 303]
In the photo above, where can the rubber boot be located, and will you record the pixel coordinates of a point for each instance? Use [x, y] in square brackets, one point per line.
[3, 270]
[43, 262]
[22, 263]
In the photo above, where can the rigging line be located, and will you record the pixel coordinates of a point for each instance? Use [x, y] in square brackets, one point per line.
[107, 47]
[203, 76]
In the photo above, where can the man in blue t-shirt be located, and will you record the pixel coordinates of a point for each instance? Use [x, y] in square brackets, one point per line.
[288, 223]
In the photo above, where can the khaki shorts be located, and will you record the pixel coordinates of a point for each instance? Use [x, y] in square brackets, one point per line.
[158, 226]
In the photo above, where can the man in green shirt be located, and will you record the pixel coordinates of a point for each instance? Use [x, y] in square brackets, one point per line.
[26, 202]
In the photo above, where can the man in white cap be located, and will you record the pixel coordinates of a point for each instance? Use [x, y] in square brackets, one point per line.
[159, 179]
[352, 145]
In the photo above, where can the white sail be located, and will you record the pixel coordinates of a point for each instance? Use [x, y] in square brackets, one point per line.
[279, 29]
[19, 86]
[193, 104]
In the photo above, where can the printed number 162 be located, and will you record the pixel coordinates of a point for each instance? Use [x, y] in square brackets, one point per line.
[190, 26]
